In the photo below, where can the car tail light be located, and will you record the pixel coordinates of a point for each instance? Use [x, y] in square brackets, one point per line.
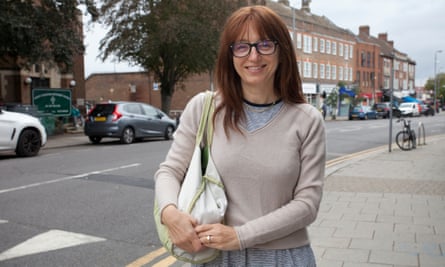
[116, 114]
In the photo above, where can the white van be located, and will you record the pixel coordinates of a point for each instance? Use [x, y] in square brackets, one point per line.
[410, 109]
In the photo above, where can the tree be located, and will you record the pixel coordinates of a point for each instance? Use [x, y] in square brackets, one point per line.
[44, 31]
[171, 38]
[430, 83]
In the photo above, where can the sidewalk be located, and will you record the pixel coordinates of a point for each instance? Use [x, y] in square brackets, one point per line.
[384, 209]
[379, 208]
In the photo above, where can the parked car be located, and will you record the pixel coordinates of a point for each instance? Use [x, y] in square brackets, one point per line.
[383, 109]
[21, 133]
[410, 109]
[127, 121]
[427, 110]
[363, 113]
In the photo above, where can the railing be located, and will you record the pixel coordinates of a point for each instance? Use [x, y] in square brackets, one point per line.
[421, 133]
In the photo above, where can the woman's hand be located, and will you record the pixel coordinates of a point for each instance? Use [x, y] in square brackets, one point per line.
[218, 236]
[181, 229]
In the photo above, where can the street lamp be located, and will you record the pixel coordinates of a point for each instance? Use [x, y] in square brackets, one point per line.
[435, 78]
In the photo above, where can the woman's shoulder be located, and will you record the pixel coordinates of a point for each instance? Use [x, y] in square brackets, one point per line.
[304, 108]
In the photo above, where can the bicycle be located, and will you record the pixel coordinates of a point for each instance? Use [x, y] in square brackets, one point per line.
[406, 138]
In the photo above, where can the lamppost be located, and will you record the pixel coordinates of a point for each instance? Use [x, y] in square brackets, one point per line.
[435, 79]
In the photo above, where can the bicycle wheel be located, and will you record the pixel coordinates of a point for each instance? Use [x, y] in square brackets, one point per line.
[404, 140]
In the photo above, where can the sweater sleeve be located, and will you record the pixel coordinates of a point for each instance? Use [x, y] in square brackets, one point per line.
[171, 172]
[302, 210]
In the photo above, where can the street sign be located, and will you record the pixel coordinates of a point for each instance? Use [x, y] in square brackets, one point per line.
[52, 101]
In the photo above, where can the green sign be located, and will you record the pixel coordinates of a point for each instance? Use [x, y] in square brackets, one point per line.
[53, 101]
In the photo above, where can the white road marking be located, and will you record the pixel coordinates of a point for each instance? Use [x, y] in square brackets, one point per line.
[67, 178]
[3, 221]
[48, 241]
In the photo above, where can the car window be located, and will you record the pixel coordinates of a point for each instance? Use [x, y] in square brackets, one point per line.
[150, 111]
[132, 108]
[103, 109]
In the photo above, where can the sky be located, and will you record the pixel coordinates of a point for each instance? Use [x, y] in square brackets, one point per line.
[416, 27]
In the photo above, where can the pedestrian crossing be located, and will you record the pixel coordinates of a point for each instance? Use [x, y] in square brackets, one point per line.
[48, 241]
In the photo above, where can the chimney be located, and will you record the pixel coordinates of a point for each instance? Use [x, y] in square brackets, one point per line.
[383, 37]
[305, 6]
[363, 30]
[284, 2]
[391, 43]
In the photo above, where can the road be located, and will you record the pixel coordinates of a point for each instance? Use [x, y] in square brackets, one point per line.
[91, 205]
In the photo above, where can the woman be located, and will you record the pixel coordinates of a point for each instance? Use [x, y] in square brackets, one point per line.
[268, 146]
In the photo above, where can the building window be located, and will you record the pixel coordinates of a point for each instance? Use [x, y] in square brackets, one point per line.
[340, 49]
[315, 43]
[334, 48]
[334, 72]
[346, 51]
[328, 71]
[315, 70]
[307, 44]
[321, 45]
[299, 40]
[350, 74]
[340, 73]
[346, 74]
[328, 47]
[307, 69]
[322, 71]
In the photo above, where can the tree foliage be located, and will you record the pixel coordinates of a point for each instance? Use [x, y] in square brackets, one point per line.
[170, 38]
[429, 85]
[42, 31]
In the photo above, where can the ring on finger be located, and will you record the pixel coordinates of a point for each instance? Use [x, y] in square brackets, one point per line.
[209, 239]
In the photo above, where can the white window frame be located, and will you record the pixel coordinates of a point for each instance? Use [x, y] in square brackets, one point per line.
[321, 71]
[334, 48]
[328, 72]
[328, 47]
[307, 44]
[321, 45]
[307, 69]
[299, 41]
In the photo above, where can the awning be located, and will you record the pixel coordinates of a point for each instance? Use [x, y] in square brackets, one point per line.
[410, 99]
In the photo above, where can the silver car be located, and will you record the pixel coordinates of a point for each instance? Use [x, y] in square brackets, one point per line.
[127, 121]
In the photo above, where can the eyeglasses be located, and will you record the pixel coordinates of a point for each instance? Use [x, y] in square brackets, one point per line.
[265, 47]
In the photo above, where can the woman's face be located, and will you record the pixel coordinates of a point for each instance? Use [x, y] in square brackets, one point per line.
[256, 70]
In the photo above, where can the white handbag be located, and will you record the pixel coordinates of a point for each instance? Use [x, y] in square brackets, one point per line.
[202, 196]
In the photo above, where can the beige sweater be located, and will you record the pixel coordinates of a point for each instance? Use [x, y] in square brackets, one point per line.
[273, 176]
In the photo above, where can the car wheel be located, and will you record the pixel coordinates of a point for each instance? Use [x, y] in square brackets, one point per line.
[29, 143]
[95, 139]
[127, 136]
[168, 135]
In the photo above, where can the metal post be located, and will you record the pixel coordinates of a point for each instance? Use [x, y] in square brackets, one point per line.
[435, 79]
[391, 101]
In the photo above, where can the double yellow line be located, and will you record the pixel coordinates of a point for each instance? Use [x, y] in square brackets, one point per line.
[152, 256]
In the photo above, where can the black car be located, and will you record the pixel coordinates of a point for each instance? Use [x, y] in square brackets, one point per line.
[382, 109]
[427, 110]
[127, 121]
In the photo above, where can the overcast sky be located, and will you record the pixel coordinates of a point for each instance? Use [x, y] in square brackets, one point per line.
[416, 27]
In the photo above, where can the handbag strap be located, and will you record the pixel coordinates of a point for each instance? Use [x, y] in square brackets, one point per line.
[206, 119]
